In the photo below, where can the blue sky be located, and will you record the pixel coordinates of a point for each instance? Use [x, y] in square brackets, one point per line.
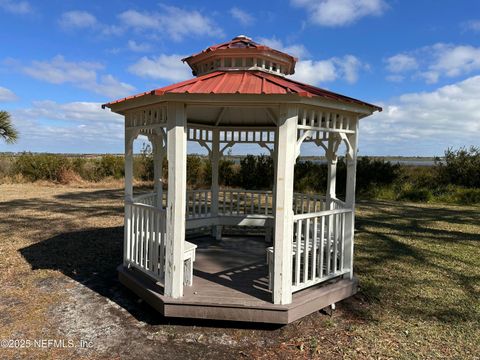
[420, 60]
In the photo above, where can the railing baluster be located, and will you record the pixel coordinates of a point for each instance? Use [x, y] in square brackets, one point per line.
[335, 244]
[306, 250]
[142, 222]
[161, 243]
[342, 240]
[132, 233]
[152, 238]
[329, 244]
[297, 250]
[238, 203]
[322, 245]
[223, 208]
[314, 248]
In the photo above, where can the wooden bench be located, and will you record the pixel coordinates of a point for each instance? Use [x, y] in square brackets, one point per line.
[270, 260]
[294, 253]
[188, 259]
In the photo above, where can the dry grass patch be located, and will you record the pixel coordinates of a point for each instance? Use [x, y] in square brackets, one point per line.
[418, 266]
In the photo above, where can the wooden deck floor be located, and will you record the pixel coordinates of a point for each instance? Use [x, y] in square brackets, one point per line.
[230, 283]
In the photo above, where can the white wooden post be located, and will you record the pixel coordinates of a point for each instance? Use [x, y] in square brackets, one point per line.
[270, 234]
[177, 185]
[286, 154]
[157, 143]
[129, 138]
[332, 170]
[215, 160]
[331, 187]
[350, 201]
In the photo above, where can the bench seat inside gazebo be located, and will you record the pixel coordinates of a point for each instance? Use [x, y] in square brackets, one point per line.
[230, 282]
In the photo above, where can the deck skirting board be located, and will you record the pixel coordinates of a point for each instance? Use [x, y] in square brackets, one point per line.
[304, 302]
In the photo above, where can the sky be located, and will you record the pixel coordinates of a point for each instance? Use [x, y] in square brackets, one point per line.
[419, 60]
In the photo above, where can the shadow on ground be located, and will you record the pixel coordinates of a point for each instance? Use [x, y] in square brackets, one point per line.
[384, 259]
[91, 257]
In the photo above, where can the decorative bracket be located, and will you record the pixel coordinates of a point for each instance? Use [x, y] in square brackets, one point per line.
[345, 138]
[204, 144]
[131, 135]
[227, 145]
[263, 144]
[307, 134]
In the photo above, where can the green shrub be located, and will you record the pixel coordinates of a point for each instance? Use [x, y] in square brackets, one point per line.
[110, 166]
[468, 196]
[227, 173]
[42, 166]
[460, 167]
[310, 177]
[415, 194]
[143, 165]
[6, 166]
[372, 173]
[256, 172]
[195, 170]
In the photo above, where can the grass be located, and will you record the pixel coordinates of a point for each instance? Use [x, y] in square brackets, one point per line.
[418, 267]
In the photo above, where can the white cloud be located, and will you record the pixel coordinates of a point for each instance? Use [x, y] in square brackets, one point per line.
[455, 60]
[7, 95]
[68, 127]
[172, 21]
[317, 72]
[16, 7]
[80, 111]
[427, 122]
[80, 20]
[340, 12]
[167, 67]
[298, 50]
[242, 16]
[77, 20]
[401, 62]
[472, 25]
[138, 47]
[433, 62]
[80, 74]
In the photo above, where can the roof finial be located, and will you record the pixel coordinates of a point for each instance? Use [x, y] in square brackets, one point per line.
[242, 37]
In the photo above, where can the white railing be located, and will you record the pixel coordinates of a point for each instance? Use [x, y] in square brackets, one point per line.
[144, 245]
[242, 202]
[318, 247]
[199, 203]
[245, 202]
[307, 203]
[146, 199]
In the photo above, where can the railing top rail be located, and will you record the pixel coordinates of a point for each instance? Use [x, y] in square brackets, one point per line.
[320, 214]
[317, 196]
[143, 196]
[247, 191]
[150, 207]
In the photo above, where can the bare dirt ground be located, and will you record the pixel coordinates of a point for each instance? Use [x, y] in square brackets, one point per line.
[418, 266]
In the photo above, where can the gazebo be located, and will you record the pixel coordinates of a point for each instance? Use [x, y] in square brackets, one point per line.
[240, 95]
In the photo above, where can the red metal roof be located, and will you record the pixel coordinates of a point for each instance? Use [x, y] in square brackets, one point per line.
[246, 82]
[239, 42]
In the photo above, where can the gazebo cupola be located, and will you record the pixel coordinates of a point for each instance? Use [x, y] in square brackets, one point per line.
[241, 53]
[241, 94]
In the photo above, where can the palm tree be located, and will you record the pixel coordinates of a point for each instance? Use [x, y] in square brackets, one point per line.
[7, 131]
